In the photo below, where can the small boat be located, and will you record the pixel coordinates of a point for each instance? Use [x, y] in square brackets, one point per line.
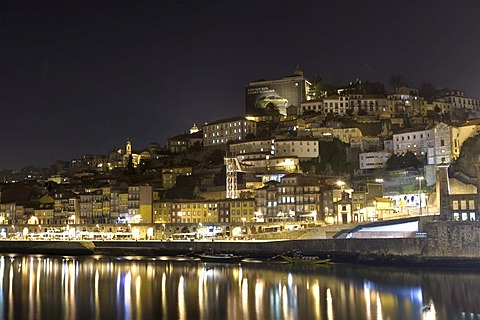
[301, 259]
[220, 257]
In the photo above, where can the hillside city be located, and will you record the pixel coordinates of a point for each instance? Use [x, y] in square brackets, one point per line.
[305, 150]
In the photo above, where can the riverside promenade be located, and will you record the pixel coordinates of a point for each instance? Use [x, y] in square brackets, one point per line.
[448, 244]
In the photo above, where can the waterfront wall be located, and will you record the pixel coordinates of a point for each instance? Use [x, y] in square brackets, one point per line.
[446, 242]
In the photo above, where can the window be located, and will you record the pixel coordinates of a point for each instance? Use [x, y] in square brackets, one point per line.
[455, 205]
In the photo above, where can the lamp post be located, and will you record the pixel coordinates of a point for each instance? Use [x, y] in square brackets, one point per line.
[419, 179]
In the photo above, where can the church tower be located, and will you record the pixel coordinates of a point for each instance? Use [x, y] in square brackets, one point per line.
[128, 147]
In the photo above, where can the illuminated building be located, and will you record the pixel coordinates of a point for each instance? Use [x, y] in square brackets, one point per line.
[65, 206]
[140, 203]
[405, 101]
[182, 142]
[279, 93]
[225, 130]
[298, 196]
[373, 160]
[303, 148]
[169, 175]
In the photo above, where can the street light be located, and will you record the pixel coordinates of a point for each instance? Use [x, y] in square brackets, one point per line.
[419, 179]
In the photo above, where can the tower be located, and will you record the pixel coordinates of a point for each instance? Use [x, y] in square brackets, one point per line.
[231, 178]
[128, 147]
[443, 191]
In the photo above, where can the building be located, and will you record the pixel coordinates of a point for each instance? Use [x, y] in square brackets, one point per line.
[416, 140]
[458, 102]
[236, 210]
[370, 104]
[267, 200]
[66, 207]
[369, 161]
[279, 93]
[225, 130]
[263, 146]
[405, 102]
[312, 106]
[299, 197]
[180, 143]
[140, 204]
[169, 175]
[345, 135]
[303, 148]
[194, 211]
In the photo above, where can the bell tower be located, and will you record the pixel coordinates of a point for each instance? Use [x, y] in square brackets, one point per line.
[128, 147]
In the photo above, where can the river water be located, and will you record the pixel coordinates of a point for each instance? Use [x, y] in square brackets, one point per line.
[47, 287]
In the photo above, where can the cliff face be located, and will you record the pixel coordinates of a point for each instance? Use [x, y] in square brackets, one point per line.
[464, 165]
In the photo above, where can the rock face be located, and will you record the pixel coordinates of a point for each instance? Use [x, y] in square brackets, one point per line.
[469, 155]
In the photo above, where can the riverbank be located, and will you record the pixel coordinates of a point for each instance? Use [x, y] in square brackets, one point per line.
[397, 252]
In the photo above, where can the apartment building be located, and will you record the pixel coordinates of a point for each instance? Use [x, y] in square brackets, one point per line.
[140, 203]
[65, 207]
[416, 140]
[303, 148]
[169, 175]
[405, 101]
[181, 142]
[267, 200]
[337, 105]
[311, 106]
[225, 130]
[194, 211]
[263, 146]
[373, 160]
[370, 104]
[299, 196]
[458, 101]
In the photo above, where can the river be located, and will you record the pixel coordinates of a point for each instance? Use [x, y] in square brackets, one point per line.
[98, 287]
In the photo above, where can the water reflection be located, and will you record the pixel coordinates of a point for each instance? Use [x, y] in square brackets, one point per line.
[129, 288]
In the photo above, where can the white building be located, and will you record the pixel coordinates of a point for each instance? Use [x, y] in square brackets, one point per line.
[224, 130]
[458, 101]
[311, 105]
[414, 140]
[252, 146]
[373, 160]
[337, 105]
[370, 104]
[303, 148]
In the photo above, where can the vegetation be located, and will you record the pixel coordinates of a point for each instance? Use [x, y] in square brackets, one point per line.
[404, 161]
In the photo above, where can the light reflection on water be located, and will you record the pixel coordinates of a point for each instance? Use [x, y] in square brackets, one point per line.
[132, 288]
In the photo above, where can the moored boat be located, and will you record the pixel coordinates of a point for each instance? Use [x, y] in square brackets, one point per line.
[301, 259]
[220, 257]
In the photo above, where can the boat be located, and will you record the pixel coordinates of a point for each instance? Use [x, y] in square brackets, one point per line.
[220, 257]
[301, 259]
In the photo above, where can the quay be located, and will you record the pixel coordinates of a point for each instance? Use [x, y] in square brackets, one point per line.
[446, 244]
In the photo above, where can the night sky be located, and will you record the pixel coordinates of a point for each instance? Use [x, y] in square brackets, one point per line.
[80, 77]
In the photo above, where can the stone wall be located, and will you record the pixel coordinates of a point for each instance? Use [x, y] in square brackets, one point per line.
[453, 238]
[450, 242]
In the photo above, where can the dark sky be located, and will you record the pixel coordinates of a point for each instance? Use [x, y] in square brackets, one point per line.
[79, 77]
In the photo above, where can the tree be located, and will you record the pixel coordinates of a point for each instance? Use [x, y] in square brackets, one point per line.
[403, 161]
[315, 91]
[130, 168]
[397, 81]
[427, 91]
[366, 87]
[216, 157]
